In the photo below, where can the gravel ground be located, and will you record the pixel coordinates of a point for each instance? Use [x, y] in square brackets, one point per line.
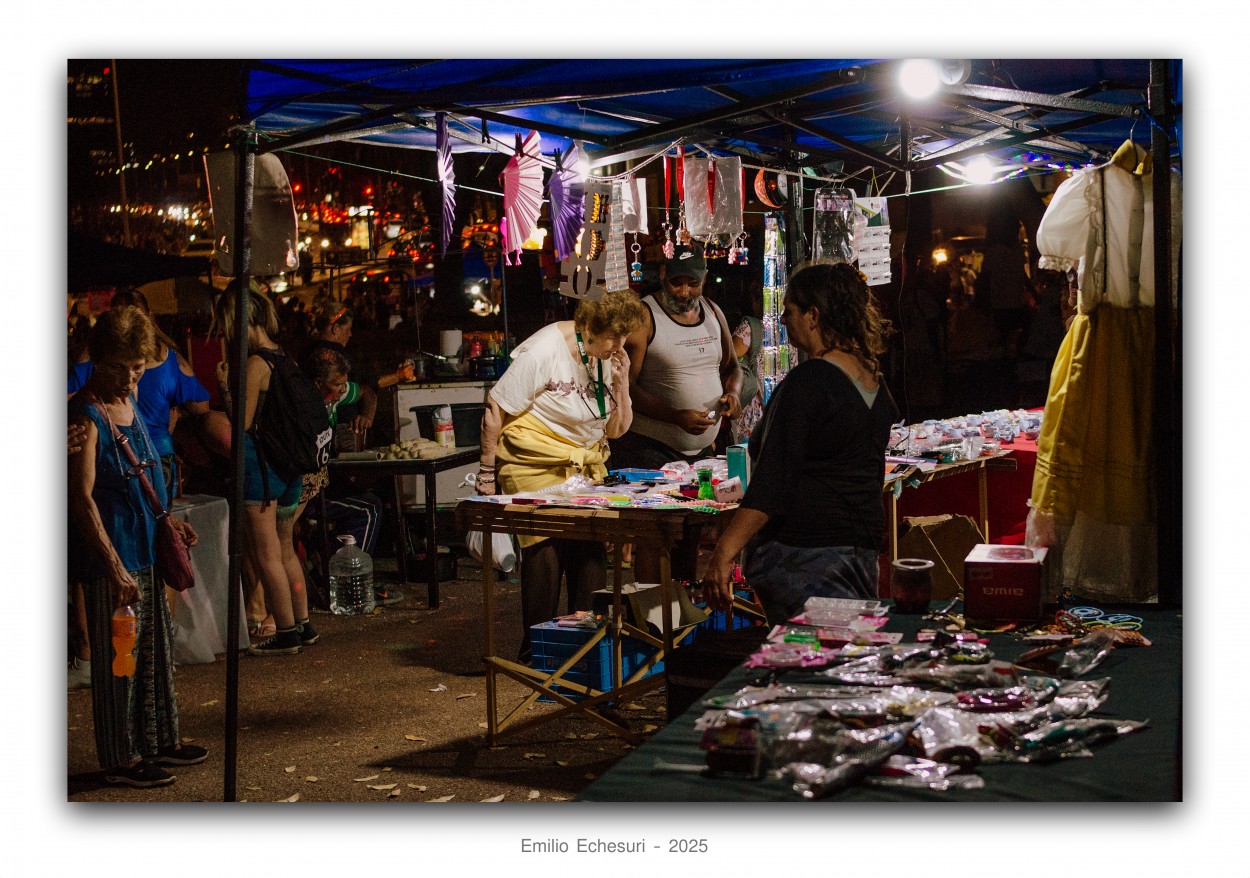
[356, 718]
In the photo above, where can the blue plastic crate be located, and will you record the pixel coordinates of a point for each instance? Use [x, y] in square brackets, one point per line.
[721, 620]
[551, 646]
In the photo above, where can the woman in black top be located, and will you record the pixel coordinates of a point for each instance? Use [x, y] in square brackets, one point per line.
[812, 519]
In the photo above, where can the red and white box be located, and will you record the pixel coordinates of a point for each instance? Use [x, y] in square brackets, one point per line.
[1004, 583]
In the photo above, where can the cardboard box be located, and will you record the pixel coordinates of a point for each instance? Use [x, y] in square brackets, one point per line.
[945, 540]
[1004, 583]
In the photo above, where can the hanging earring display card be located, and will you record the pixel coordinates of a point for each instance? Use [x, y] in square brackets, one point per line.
[615, 270]
[874, 239]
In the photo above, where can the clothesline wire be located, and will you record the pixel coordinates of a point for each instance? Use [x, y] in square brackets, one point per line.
[394, 173]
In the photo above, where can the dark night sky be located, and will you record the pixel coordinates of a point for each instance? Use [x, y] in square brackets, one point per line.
[161, 100]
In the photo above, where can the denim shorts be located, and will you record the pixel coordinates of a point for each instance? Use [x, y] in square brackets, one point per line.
[285, 492]
[784, 577]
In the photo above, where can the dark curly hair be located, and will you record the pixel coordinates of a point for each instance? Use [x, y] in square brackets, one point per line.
[325, 362]
[848, 318]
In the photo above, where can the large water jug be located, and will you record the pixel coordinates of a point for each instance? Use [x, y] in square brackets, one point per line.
[351, 580]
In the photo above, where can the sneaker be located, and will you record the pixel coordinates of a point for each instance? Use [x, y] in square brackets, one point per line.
[283, 643]
[180, 754]
[141, 774]
[79, 674]
[383, 596]
[307, 633]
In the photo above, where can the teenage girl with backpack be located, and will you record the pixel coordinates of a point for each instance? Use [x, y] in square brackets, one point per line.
[270, 500]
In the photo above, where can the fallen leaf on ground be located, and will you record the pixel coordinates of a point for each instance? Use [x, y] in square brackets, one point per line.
[382, 786]
[559, 798]
[388, 768]
[363, 779]
[393, 793]
[209, 703]
[443, 798]
[561, 762]
[312, 778]
[415, 738]
[572, 736]
[533, 794]
[466, 695]
[254, 789]
[498, 798]
[535, 756]
[590, 775]
[481, 725]
[289, 769]
[634, 705]
[439, 688]
[649, 727]
[294, 798]
[418, 787]
[589, 735]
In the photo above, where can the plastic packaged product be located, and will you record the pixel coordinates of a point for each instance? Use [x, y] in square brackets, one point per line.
[859, 753]
[833, 225]
[1071, 737]
[125, 627]
[916, 772]
[351, 580]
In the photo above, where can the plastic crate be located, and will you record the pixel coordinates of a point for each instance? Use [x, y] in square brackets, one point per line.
[551, 646]
[720, 621]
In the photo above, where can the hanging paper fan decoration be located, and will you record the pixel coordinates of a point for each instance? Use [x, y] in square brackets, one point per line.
[446, 177]
[522, 180]
[565, 190]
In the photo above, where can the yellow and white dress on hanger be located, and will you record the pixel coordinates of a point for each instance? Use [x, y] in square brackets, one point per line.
[1094, 489]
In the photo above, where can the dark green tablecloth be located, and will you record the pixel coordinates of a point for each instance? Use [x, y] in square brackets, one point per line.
[1141, 767]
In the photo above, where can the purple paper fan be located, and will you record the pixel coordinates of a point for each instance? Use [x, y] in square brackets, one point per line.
[446, 177]
[567, 193]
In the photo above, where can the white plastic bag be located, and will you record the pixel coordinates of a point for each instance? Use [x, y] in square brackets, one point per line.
[503, 551]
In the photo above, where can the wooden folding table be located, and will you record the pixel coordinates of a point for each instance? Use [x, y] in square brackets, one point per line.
[1000, 461]
[661, 528]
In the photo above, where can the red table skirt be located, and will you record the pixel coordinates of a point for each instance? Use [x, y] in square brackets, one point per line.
[1008, 494]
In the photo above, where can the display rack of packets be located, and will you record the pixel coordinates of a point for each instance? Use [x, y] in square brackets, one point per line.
[872, 245]
[776, 354]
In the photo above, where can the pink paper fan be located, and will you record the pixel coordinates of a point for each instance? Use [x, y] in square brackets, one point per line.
[446, 177]
[522, 180]
[566, 192]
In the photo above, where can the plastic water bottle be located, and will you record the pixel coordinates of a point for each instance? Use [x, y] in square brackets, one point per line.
[125, 628]
[351, 580]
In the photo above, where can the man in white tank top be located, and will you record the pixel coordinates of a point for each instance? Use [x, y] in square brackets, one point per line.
[683, 378]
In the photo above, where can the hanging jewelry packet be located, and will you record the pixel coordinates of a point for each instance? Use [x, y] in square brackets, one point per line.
[713, 199]
[669, 245]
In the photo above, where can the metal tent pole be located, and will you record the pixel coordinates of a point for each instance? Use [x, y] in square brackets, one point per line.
[245, 183]
[1167, 389]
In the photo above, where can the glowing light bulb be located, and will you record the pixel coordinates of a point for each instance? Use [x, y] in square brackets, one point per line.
[920, 78]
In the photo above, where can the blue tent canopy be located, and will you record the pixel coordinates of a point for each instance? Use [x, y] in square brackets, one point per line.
[788, 114]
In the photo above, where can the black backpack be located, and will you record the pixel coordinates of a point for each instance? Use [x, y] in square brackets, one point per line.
[292, 429]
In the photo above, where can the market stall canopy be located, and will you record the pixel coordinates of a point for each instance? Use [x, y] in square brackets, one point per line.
[94, 264]
[831, 114]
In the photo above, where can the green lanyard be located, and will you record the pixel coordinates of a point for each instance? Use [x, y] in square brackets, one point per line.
[599, 387]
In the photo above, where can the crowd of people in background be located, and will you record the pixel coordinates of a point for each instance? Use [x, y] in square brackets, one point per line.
[618, 378]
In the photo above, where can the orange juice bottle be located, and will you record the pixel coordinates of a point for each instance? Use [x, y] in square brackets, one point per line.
[125, 627]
